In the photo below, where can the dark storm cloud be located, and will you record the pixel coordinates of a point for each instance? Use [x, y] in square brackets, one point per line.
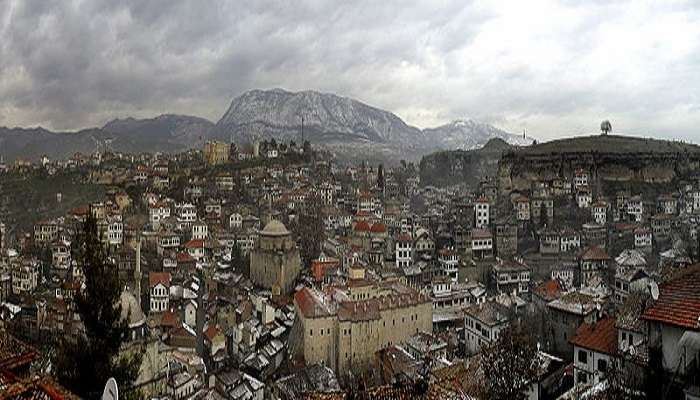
[551, 67]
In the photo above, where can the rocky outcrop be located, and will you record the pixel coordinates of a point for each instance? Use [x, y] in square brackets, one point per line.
[462, 167]
[605, 158]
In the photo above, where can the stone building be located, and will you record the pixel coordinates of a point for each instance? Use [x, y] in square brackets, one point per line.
[343, 330]
[275, 262]
[216, 153]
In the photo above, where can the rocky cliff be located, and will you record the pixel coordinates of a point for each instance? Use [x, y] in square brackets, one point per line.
[607, 159]
[462, 166]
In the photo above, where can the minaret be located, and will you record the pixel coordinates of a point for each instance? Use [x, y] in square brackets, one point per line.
[200, 314]
[137, 269]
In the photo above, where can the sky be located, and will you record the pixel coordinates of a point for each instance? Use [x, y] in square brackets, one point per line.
[552, 68]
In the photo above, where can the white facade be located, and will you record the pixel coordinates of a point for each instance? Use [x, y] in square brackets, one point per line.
[404, 253]
[590, 366]
[481, 214]
[160, 295]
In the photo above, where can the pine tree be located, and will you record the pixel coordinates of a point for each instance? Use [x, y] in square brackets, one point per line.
[309, 229]
[84, 364]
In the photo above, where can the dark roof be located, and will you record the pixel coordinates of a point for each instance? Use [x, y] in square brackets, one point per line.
[594, 253]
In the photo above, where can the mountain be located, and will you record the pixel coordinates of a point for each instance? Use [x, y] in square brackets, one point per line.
[182, 131]
[328, 118]
[469, 135]
[348, 128]
[444, 168]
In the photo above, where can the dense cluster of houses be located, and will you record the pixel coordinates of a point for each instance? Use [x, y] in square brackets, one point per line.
[408, 282]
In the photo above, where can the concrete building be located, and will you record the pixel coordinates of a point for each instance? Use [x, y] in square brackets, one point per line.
[275, 262]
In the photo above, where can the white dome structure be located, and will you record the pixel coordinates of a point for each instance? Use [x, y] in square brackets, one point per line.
[275, 228]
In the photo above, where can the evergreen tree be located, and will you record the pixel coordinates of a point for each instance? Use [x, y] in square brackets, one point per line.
[309, 229]
[240, 261]
[84, 363]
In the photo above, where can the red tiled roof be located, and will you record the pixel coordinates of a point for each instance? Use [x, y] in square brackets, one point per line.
[600, 337]
[184, 257]
[362, 226]
[378, 228]
[549, 290]
[211, 332]
[679, 301]
[594, 253]
[310, 304]
[318, 268]
[154, 278]
[404, 237]
[194, 244]
[169, 319]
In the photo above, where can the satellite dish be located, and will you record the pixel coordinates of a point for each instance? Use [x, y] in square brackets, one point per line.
[111, 392]
[654, 288]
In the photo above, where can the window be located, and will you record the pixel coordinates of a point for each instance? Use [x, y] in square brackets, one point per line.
[582, 377]
[582, 356]
[602, 366]
[311, 332]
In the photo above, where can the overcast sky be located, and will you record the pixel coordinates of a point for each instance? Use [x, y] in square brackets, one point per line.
[553, 68]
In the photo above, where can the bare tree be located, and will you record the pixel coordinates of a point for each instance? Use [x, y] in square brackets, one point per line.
[509, 364]
[605, 127]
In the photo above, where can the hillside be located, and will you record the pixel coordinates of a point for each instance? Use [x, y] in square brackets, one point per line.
[446, 168]
[607, 159]
[177, 130]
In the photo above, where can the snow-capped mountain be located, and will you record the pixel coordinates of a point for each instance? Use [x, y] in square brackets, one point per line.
[348, 128]
[469, 134]
[327, 118]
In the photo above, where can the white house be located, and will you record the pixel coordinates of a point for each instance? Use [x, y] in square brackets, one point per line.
[642, 238]
[599, 210]
[404, 250]
[156, 213]
[482, 212]
[449, 263]
[483, 323]
[24, 277]
[200, 230]
[595, 349]
[584, 198]
[159, 290]
[115, 230]
[635, 208]
[235, 221]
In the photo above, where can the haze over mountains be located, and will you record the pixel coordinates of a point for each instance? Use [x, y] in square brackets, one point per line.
[348, 128]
